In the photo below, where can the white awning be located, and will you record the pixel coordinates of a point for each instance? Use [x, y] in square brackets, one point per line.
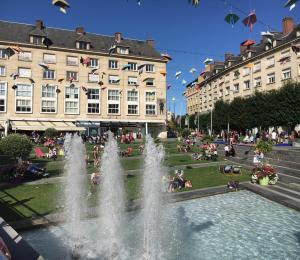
[43, 125]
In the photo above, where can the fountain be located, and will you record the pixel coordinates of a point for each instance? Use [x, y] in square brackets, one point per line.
[152, 199]
[112, 205]
[75, 169]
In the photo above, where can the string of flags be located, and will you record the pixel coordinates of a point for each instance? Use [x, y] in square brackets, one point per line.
[62, 4]
[291, 4]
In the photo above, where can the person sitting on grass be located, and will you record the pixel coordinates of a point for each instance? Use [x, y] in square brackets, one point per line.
[233, 185]
[231, 151]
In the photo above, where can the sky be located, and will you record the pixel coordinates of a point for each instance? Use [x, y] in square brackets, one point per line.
[188, 34]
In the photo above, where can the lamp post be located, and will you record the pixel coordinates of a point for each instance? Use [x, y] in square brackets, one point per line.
[174, 100]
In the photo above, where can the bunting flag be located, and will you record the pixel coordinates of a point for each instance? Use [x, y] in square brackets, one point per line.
[14, 75]
[93, 71]
[247, 43]
[47, 42]
[31, 80]
[163, 72]
[14, 86]
[100, 83]
[177, 74]
[57, 91]
[183, 82]
[62, 4]
[9, 52]
[197, 87]
[72, 85]
[85, 61]
[284, 60]
[112, 49]
[208, 61]
[291, 4]
[44, 66]
[295, 48]
[250, 20]
[60, 80]
[192, 70]
[168, 87]
[231, 18]
[84, 88]
[126, 67]
[203, 74]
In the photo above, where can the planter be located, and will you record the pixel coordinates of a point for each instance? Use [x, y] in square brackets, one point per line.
[264, 181]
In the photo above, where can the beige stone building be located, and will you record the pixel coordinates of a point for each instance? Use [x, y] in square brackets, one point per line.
[263, 66]
[73, 80]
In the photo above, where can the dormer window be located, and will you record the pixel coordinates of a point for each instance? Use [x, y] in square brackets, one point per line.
[249, 54]
[274, 43]
[38, 40]
[123, 50]
[83, 45]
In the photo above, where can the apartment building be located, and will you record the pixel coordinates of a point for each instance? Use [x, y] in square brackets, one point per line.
[262, 66]
[79, 81]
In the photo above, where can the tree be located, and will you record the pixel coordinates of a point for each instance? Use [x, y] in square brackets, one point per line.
[16, 145]
[50, 133]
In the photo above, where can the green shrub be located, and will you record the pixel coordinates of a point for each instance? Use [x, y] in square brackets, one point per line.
[186, 133]
[50, 133]
[207, 138]
[264, 146]
[16, 145]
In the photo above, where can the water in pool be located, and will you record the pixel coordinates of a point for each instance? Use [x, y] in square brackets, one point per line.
[239, 225]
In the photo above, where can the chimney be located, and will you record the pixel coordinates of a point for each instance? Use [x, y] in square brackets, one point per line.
[243, 49]
[39, 24]
[118, 37]
[79, 30]
[150, 43]
[287, 25]
[227, 56]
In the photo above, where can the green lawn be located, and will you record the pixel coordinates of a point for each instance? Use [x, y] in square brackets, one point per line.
[25, 201]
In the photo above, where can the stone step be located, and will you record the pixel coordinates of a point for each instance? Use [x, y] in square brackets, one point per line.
[286, 191]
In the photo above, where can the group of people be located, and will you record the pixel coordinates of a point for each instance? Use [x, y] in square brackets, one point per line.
[177, 182]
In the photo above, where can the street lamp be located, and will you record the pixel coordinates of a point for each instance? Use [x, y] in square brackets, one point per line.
[174, 100]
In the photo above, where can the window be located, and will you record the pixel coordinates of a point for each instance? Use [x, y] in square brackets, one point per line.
[256, 67]
[113, 95]
[24, 72]
[132, 66]
[149, 82]
[23, 98]
[247, 84]
[132, 102]
[2, 71]
[112, 64]
[72, 61]
[150, 96]
[132, 96]
[122, 50]
[149, 68]
[246, 71]
[285, 53]
[271, 78]
[270, 62]
[93, 101]
[49, 58]
[236, 88]
[25, 56]
[72, 75]
[113, 79]
[49, 74]
[236, 74]
[93, 63]
[48, 99]
[150, 109]
[286, 74]
[2, 97]
[132, 80]
[113, 101]
[37, 40]
[3, 54]
[132, 109]
[257, 82]
[72, 100]
[93, 77]
[82, 45]
[227, 90]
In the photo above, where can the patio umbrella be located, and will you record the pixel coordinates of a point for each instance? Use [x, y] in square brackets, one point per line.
[231, 18]
[250, 20]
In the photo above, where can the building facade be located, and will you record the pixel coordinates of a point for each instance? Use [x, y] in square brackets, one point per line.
[264, 66]
[73, 80]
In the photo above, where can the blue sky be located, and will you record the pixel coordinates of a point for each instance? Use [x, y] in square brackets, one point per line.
[189, 34]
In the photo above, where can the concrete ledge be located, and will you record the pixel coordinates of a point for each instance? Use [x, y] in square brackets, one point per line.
[18, 248]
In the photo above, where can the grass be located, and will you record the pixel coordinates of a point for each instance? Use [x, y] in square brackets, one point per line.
[25, 201]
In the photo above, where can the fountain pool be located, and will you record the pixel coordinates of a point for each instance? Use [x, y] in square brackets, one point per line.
[238, 225]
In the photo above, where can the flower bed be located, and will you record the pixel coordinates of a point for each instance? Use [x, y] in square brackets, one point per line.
[264, 174]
